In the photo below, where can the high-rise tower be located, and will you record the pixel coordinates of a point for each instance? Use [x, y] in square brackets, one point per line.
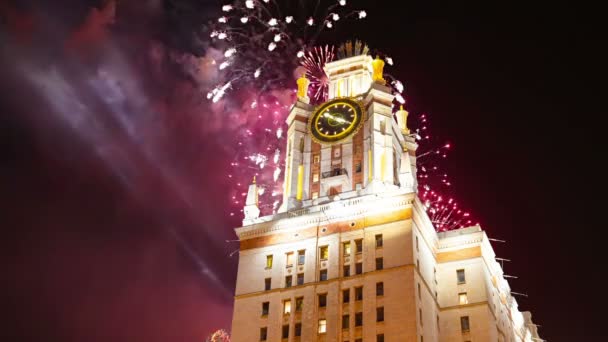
[351, 255]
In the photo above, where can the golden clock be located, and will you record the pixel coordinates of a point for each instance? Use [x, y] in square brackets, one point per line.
[336, 120]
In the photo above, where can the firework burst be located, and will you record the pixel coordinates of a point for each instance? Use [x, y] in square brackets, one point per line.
[314, 61]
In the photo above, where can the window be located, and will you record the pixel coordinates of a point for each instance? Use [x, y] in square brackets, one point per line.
[265, 308]
[298, 331]
[358, 293]
[346, 296]
[323, 300]
[345, 321]
[419, 292]
[266, 284]
[263, 333]
[460, 276]
[289, 259]
[315, 177]
[359, 319]
[359, 268]
[418, 265]
[464, 324]
[380, 314]
[346, 248]
[299, 303]
[300, 278]
[359, 245]
[379, 263]
[346, 270]
[286, 331]
[288, 281]
[417, 249]
[323, 275]
[359, 340]
[301, 257]
[420, 315]
[438, 326]
[462, 298]
[269, 261]
[380, 338]
[315, 195]
[315, 159]
[380, 289]
[358, 167]
[322, 326]
[324, 252]
[287, 307]
[379, 241]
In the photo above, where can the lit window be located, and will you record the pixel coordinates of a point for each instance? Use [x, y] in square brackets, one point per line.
[380, 289]
[346, 296]
[379, 241]
[298, 329]
[301, 257]
[380, 314]
[322, 326]
[289, 259]
[300, 278]
[359, 268]
[358, 293]
[315, 195]
[299, 303]
[315, 159]
[345, 321]
[324, 252]
[346, 270]
[315, 177]
[464, 324]
[359, 245]
[461, 277]
[286, 331]
[267, 284]
[263, 333]
[359, 319]
[269, 261]
[462, 298]
[287, 307]
[265, 308]
[379, 263]
[323, 300]
[346, 248]
[322, 275]
[288, 281]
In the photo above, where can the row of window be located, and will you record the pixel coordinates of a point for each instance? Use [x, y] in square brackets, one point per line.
[323, 327]
[323, 252]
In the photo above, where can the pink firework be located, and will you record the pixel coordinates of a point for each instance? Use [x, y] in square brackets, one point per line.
[314, 61]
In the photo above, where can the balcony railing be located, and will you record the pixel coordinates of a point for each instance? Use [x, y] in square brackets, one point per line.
[334, 172]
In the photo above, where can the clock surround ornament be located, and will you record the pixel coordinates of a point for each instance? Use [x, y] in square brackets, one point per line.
[336, 120]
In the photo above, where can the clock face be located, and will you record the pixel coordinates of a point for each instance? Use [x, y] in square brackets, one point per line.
[336, 120]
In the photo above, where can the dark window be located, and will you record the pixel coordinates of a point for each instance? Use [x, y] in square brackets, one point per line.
[299, 303]
[267, 284]
[265, 308]
[358, 293]
[359, 245]
[461, 277]
[345, 321]
[323, 275]
[379, 241]
[380, 338]
[359, 268]
[464, 323]
[359, 319]
[380, 289]
[417, 249]
[286, 331]
[301, 257]
[359, 340]
[263, 333]
[298, 329]
[323, 300]
[379, 263]
[288, 281]
[358, 167]
[300, 278]
[419, 292]
[380, 314]
[346, 270]
[346, 296]
[420, 314]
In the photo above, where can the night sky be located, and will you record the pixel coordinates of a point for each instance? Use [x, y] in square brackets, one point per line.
[116, 225]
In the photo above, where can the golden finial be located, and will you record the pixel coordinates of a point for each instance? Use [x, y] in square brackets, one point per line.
[402, 120]
[253, 179]
[303, 83]
[378, 67]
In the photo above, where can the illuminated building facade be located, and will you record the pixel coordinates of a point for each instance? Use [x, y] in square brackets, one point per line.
[351, 255]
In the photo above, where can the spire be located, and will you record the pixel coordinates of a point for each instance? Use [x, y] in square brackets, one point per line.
[251, 209]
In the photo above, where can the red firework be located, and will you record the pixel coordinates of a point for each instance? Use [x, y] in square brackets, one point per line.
[314, 61]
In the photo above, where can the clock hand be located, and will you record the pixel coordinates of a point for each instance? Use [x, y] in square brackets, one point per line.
[335, 118]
